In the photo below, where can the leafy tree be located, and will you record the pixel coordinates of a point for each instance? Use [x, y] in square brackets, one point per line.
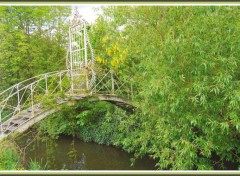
[33, 41]
[186, 78]
[185, 69]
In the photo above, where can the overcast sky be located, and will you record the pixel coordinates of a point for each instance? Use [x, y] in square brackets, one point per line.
[87, 12]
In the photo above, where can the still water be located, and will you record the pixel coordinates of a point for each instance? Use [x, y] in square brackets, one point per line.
[73, 154]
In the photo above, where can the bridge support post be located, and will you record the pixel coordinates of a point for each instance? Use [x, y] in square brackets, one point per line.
[18, 97]
[85, 45]
[31, 87]
[85, 54]
[71, 74]
[112, 80]
[87, 83]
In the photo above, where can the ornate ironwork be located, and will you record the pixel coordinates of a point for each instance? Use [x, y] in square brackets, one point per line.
[26, 100]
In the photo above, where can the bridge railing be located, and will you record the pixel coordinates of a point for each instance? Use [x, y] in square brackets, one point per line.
[112, 83]
[29, 94]
[41, 92]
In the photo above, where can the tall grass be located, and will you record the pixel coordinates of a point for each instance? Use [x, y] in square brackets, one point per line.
[10, 159]
[34, 165]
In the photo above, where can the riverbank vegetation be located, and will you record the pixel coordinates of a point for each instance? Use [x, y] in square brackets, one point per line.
[186, 79]
[12, 158]
[9, 157]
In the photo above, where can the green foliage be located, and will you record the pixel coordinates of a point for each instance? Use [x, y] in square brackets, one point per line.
[186, 81]
[185, 71]
[62, 122]
[98, 122]
[34, 165]
[105, 129]
[9, 158]
[85, 119]
[32, 41]
[69, 120]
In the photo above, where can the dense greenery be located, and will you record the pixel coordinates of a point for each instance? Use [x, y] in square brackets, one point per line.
[12, 159]
[100, 122]
[185, 69]
[33, 40]
[185, 65]
[9, 157]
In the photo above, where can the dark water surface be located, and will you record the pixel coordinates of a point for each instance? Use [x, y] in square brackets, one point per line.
[69, 154]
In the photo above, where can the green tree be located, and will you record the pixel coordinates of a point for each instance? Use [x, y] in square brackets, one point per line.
[185, 66]
[33, 41]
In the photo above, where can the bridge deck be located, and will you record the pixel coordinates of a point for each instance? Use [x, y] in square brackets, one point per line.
[26, 118]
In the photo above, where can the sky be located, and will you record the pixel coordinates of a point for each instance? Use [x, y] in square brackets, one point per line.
[88, 12]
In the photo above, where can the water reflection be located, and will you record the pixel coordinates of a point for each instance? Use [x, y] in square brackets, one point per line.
[78, 161]
[73, 154]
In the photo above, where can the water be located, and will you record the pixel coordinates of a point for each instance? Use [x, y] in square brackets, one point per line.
[69, 154]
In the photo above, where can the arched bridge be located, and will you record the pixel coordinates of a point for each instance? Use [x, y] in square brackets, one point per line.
[31, 100]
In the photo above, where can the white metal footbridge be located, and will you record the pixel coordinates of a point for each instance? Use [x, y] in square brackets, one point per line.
[29, 101]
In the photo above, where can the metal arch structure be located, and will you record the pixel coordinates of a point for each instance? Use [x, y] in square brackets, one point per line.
[80, 57]
[27, 102]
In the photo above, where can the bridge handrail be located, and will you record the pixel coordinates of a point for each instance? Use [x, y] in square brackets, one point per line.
[49, 73]
[32, 83]
[107, 82]
[36, 79]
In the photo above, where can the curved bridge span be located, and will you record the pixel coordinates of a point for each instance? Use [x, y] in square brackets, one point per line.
[31, 100]
[24, 119]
